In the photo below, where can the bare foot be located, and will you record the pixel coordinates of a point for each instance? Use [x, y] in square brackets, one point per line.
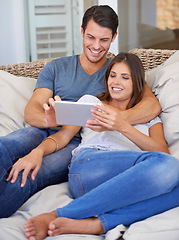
[36, 228]
[63, 225]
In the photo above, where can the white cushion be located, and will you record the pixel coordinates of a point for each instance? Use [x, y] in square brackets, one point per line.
[164, 226]
[14, 95]
[164, 82]
[43, 201]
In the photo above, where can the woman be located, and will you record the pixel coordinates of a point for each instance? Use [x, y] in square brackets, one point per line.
[120, 175]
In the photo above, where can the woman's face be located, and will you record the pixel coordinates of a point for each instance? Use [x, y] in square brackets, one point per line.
[120, 83]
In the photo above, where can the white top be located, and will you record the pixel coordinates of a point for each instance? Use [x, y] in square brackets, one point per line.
[109, 140]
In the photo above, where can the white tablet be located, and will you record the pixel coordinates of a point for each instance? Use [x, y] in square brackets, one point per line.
[73, 113]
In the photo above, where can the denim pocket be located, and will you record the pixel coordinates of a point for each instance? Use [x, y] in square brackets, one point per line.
[75, 185]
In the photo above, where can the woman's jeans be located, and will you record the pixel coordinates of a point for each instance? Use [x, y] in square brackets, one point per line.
[121, 187]
[54, 168]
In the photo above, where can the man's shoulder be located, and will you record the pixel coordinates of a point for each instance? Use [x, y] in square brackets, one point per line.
[65, 60]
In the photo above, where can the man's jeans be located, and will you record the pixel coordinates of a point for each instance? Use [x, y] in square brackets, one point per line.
[121, 187]
[54, 168]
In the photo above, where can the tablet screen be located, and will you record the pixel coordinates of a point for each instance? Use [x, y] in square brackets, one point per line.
[73, 113]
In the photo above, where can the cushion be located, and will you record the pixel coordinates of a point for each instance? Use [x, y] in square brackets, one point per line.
[164, 226]
[14, 95]
[55, 196]
[164, 82]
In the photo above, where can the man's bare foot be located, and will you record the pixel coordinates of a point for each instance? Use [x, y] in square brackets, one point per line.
[72, 226]
[36, 228]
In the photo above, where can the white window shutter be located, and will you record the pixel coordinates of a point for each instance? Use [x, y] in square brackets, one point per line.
[50, 24]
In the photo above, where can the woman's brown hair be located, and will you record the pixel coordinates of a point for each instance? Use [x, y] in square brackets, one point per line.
[137, 74]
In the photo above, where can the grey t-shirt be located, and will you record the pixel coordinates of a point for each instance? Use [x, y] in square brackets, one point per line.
[66, 78]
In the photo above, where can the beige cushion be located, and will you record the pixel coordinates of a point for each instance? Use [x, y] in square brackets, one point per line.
[164, 82]
[164, 226]
[14, 95]
[47, 200]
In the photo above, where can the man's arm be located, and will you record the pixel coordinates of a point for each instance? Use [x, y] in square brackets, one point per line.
[34, 113]
[147, 109]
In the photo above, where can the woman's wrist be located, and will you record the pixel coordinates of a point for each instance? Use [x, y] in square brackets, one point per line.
[38, 151]
[54, 140]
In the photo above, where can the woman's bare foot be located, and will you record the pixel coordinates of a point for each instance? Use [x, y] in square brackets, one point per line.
[72, 226]
[36, 228]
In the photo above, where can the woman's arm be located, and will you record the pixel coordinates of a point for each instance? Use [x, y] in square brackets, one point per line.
[33, 160]
[154, 142]
[108, 121]
[147, 109]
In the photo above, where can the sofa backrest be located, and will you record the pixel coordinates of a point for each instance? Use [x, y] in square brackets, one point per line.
[149, 57]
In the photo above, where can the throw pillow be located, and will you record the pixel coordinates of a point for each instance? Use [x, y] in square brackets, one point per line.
[14, 94]
[164, 82]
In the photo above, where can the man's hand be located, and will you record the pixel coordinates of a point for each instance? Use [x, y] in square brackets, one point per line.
[50, 111]
[32, 161]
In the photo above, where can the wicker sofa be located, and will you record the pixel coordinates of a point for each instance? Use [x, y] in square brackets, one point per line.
[150, 59]
[21, 79]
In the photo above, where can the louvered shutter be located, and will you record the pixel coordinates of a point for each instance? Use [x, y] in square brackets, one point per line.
[50, 24]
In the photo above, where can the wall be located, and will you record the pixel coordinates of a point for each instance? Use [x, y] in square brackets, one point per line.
[12, 42]
[129, 13]
[138, 25]
[114, 4]
[168, 14]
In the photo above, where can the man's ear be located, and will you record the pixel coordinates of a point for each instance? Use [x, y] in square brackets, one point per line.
[82, 31]
[114, 37]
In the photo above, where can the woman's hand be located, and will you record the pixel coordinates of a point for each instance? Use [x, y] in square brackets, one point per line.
[50, 111]
[106, 118]
[95, 126]
[32, 161]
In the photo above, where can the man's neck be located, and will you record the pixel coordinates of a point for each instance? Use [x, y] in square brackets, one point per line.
[91, 67]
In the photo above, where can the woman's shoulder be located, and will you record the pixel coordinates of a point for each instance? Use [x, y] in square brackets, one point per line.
[154, 121]
[89, 99]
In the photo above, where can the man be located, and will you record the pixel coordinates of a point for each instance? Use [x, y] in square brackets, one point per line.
[70, 78]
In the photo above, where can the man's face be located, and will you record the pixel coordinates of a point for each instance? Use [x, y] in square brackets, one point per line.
[96, 41]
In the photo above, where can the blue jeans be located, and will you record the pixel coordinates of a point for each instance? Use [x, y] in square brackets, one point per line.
[121, 187]
[54, 168]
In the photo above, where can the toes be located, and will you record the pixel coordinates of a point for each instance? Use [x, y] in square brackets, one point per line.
[29, 229]
[52, 225]
[29, 224]
[50, 233]
[32, 238]
[30, 232]
[55, 232]
[54, 228]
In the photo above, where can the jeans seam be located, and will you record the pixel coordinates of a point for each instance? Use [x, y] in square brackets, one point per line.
[80, 160]
[58, 213]
[104, 223]
[3, 174]
[81, 186]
